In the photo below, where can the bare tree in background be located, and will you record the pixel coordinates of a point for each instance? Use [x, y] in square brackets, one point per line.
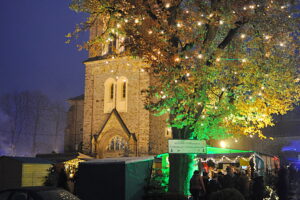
[16, 107]
[40, 105]
[57, 117]
[31, 118]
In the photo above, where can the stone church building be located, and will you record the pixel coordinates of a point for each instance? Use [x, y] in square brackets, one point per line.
[110, 120]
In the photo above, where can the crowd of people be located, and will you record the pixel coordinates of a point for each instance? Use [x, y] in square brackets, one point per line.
[241, 185]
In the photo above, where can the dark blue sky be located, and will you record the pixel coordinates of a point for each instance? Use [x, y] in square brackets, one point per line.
[33, 53]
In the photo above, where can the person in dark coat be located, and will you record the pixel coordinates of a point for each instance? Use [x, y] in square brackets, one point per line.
[242, 184]
[197, 187]
[282, 185]
[228, 179]
[213, 186]
[258, 188]
[220, 178]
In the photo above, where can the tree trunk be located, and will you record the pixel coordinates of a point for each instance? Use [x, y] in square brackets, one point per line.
[34, 142]
[182, 166]
[56, 136]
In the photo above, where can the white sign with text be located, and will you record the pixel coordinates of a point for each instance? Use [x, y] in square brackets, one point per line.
[187, 146]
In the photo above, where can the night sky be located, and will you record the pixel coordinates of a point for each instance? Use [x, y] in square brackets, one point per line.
[33, 53]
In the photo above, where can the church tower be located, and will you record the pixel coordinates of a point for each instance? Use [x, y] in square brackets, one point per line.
[115, 123]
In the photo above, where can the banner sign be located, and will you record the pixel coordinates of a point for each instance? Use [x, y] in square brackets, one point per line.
[187, 146]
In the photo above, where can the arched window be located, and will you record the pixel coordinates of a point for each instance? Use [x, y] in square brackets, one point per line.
[112, 91]
[122, 94]
[124, 89]
[109, 95]
[117, 143]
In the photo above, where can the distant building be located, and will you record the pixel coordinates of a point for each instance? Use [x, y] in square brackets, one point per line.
[74, 129]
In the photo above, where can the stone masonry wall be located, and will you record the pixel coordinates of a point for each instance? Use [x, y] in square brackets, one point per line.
[136, 118]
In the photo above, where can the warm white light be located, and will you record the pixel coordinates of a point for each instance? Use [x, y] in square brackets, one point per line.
[142, 70]
[218, 59]
[223, 144]
[150, 32]
[199, 23]
[179, 25]
[188, 74]
[243, 36]
[281, 44]
[167, 5]
[221, 22]
[118, 25]
[177, 59]
[235, 140]
[244, 60]
[126, 20]
[200, 56]
[163, 97]
[136, 21]
[223, 89]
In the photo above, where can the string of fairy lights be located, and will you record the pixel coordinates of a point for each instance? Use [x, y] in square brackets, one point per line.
[225, 159]
[138, 21]
[118, 27]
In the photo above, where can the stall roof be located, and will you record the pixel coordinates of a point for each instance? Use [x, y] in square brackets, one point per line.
[216, 150]
[29, 160]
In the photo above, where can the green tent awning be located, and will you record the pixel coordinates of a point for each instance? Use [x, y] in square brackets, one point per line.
[216, 150]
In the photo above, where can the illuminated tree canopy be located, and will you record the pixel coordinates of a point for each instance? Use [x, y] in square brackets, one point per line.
[224, 67]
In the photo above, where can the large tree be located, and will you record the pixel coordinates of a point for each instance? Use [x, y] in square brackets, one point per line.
[224, 67]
